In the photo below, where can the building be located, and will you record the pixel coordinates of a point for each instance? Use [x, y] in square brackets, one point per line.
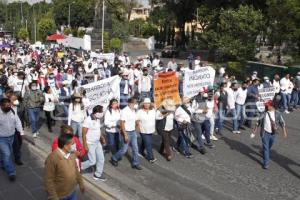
[140, 13]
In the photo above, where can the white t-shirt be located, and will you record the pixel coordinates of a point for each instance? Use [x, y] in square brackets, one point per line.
[129, 116]
[94, 132]
[241, 96]
[169, 120]
[231, 98]
[267, 122]
[147, 121]
[112, 120]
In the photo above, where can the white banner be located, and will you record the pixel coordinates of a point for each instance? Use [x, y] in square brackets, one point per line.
[266, 93]
[196, 79]
[101, 92]
[110, 57]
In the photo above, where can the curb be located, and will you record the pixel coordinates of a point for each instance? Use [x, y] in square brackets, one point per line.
[94, 187]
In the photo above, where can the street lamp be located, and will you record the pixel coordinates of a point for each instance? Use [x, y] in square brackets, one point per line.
[69, 19]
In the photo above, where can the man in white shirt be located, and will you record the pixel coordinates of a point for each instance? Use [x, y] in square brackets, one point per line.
[240, 99]
[128, 124]
[172, 65]
[269, 124]
[155, 62]
[91, 135]
[145, 85]
[285, 84]
[231, 92]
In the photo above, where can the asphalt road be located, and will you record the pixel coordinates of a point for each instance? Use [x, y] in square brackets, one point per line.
[232, 170]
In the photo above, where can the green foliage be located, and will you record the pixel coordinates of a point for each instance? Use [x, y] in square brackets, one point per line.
[236, 33]
[67, 31]
[74, 32]
[141, 28]
[46, 26]
[80, 33]
[106, 43]
[81, 12]
[23, 34]
[115, 44]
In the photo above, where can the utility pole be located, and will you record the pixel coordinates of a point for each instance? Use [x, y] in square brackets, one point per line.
[22, 18]
[34, 30]
[102, 35]
[26, 24]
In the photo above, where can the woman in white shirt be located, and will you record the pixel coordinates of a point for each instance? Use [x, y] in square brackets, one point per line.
[146, 126]
[183, 118]
[165, 126]
[49, 106]
[77, 114]
[112, 123]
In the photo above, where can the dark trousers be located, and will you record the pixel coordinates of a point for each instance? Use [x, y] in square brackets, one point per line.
[113, 140]
[48, 119]
[165, 147]
[17, 145]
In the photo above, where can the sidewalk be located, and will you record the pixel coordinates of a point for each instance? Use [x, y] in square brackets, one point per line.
[29, 183]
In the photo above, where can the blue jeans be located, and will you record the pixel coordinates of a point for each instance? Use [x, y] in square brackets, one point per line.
[220, 119]
[77, 129]
[267, 141]
[295, 98]
[183, 142]
[202, 128]
[6, 155]
[234, 119]
[72, 196]
[132, 141]
[147, 144]
[241, 113]
[96, 157]
[251, 112]
[113, 140]
[285, 100]
[34, 116]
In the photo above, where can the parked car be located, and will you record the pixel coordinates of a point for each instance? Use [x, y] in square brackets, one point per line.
[169, 52]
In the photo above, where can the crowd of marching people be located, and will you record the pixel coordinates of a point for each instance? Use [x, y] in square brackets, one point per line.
[36, 81]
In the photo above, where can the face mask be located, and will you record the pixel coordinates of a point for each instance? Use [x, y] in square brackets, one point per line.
[33, 88]
[15, 74]
[16, 103]
[51, 77]
[244, 88]
[6, 109]
[136, 106]
[99, 115]
[42, 76]
[73, 148]
[145, 74]
[267, 81]
[114, 107]
[182, 69]
[77, 100]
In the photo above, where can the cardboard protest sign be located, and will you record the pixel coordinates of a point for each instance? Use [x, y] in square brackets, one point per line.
[101, 92]
[196, 79]
[166, 87]
[266, 94]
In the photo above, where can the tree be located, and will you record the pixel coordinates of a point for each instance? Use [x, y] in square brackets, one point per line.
[23, 34]
[67, 31]
[46, 26]
[236, 33]
[82, 12]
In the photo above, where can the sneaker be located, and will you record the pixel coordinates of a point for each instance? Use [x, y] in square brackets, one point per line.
[202, 151]
[137, 167]
[203, 137]
[238, 132]
[141, 155]
[113, 162]
[12, 178]
[189, 155]
[18, 162]
[266, 167]
[210, 146]
[35, 135]
[101, 178]
[214, 138]
[153, 160]
[286, 112]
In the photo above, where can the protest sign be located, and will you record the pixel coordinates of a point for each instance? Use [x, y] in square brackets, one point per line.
[266, 94]
[101, 92]
[110, 57]
[166, 87]
[196, 79]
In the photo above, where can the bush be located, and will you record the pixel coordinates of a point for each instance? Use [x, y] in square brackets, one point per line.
[80, 33]
[67, 31]
[115, 44]
[236, 69]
